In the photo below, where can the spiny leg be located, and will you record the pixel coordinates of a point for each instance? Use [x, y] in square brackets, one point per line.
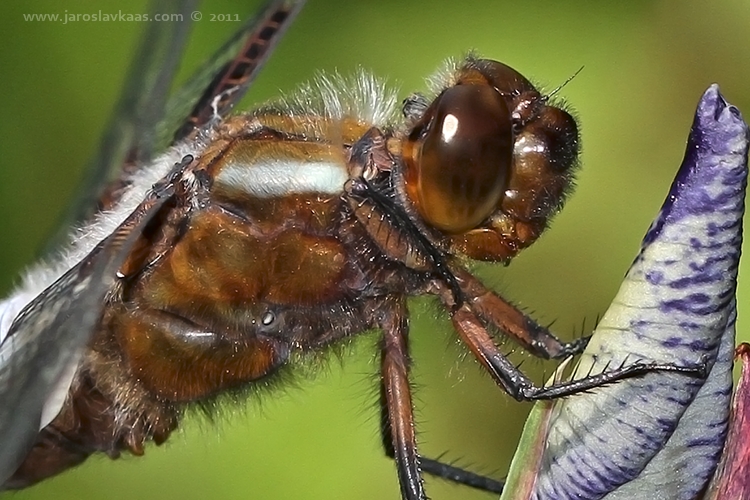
[495, 310]
[518, 385]
[435, 467]
[397, 413]
[398, 401]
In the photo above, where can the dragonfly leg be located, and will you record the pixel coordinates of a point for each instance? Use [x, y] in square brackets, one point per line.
[509, 377]
[397, 400]
[433, 467]
[498, 312]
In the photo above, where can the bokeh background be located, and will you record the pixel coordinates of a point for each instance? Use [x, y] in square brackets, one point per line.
[646, 63]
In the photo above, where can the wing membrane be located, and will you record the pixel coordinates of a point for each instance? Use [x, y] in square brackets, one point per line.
[129, 135]
[46, 340]
[227, 75]
[143, 125]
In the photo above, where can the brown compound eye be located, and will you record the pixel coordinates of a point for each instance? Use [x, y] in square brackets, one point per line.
[458, 157]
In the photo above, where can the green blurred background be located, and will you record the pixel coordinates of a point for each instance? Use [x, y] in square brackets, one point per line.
[646, 63]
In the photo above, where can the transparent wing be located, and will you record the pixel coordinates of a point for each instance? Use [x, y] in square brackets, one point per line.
[145, 121]
[46, 340]
[223, 80]
[129, 136]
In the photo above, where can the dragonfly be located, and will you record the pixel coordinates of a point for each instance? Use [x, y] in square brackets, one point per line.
[260, 239]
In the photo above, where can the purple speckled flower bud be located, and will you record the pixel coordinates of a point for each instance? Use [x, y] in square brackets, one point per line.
[659, 435]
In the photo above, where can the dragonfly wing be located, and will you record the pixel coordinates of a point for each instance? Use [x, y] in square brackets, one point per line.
[41, 352]
[130, 135]
[225, 77]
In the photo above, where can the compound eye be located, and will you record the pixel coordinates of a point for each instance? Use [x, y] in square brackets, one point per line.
[458, 158]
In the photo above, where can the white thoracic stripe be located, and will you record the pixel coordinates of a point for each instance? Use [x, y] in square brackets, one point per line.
[280, 178]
